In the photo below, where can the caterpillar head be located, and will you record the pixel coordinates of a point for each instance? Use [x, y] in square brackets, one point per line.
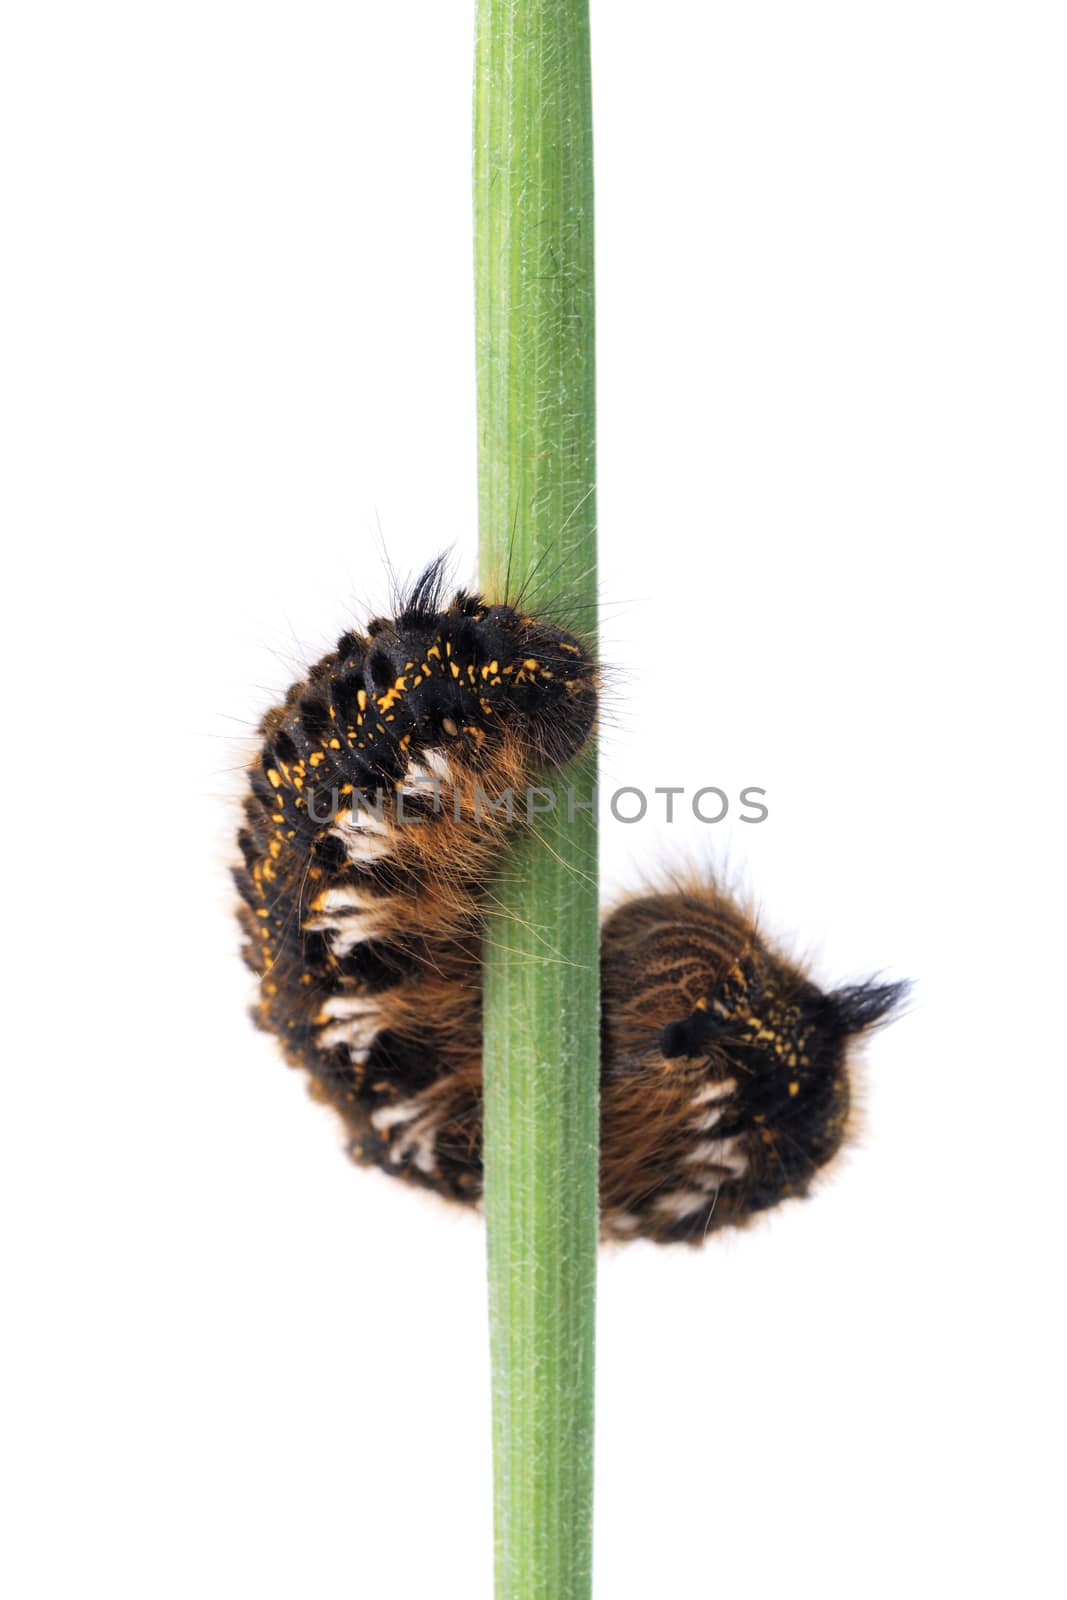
[784, 1044]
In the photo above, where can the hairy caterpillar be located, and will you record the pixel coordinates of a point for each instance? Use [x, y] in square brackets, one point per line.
[724, 1077]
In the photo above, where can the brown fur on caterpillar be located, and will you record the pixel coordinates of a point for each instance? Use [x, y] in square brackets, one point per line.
[370, 830]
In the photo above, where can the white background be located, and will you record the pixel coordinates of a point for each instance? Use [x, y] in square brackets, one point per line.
[237, 340]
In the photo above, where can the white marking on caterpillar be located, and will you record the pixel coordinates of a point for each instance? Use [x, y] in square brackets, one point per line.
[348, 1004]
[358, 1035]
[365, 836]
[715, 1090]
[421, 1138]
[423, 1146]
[358, 1022]
[348, 917]
[344, 899]
[438, 763]
[723, 1154]
[682, 1203]
[425, 776]
[390, 1116]
[351, 933]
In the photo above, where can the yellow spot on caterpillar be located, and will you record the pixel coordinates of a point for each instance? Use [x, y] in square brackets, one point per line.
[455, 670]
[361, 699]
[335, 744]
[316, 758]
[530, 664]
[476, 734]
[794, 1087]
[701, 1005]
[433, 651]
[274, 778]
[391, 696]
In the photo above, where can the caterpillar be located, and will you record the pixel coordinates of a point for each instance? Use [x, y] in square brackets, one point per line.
[371, 824]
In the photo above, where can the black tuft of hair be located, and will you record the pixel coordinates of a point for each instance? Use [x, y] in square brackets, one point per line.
[864, 1004]
[426, 598]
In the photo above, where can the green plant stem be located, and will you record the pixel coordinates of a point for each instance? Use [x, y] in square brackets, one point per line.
[533, 204]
